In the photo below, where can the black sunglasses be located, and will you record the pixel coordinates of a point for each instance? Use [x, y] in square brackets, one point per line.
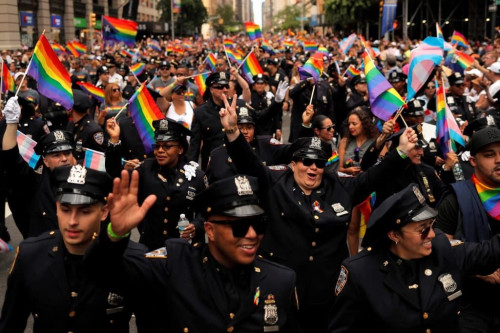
[320, 164]
[240, 227]
[425, 231]
[165, 146]
[220, 87]
[328, 128]
[115, 89]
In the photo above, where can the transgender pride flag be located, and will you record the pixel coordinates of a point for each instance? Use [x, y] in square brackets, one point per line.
[94, 160]
[27, 149]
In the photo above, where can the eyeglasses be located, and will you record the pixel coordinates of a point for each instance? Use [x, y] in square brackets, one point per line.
[328, 128]
[320, 164]
[430, 87]
[424, 233]
[240, 227]
[115, 89]
[164, 146]
[220, 87]
[180, 92]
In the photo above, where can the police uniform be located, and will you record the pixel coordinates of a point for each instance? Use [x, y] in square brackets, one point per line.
[56, 117]
[280, 74]
[308, 232]
[28, 124]
[175, 188]
[206, 126]
[31, 198]
[355, 99]
[463, 108]
[54, 286]
[202, 295]
[379, 292]
[86, 132]
[266, 110]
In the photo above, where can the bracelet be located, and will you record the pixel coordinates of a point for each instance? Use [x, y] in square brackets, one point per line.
[403, 155]
[112, 234]
[231, 130]
[115, 144]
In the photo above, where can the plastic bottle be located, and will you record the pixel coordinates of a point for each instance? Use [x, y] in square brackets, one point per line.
[182, 224]
[458, 173]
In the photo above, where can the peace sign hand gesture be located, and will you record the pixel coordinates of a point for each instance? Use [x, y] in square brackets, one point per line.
[229, 118]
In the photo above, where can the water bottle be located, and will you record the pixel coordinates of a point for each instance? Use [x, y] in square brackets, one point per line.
[458, 173]
[182, 224]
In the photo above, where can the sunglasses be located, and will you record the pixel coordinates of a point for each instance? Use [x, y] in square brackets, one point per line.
[240, 227]
[115, 89]
[220, 87]
[424, 233]
[164, 68]
[328, 128]
[430, 87]
[164, 146]
[320, 164]
[180, 92]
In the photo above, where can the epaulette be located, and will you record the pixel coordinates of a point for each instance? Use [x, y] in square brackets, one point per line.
[455, 242]
[160, 253]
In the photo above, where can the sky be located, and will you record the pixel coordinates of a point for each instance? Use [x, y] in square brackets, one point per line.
[257, 11]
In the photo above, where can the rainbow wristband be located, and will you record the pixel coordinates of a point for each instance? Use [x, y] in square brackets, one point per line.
[112, 234]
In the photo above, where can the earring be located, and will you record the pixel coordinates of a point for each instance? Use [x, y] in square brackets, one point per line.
[396, 243]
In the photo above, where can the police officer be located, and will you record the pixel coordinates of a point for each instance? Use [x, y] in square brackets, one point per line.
[29, 124]
[269, 150]
[222, 286]
[266, 108]
[398, 80]
[358, 95]
[309, 211]
[30, 194]
[276, 74]
[169, 176]
[56, 117]
[48, 278]
[465, 110]
[86, 132]
[409, 278]
[206, 125]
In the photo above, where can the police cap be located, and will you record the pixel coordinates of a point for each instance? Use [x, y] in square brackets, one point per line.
[456, 79]
[81, 101]
[170, 130]
[421, 142]
[236, 196]
[273, 61]
[311, 147]
[54, 142]
[359, 79]
[396, 76]
[415, 108]
[260, 78]
[482, 138]
[217, 78]
[480, 123]
[245, 116]
[77, 185]
[165, 64]
[102, 70]
[397, 211]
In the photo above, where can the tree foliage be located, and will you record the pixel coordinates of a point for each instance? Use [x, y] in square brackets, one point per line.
[344, 12]
[226, 22]
[193, 14]
[287, 18]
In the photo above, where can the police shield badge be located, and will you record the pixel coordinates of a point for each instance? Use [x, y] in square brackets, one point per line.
[270, 314]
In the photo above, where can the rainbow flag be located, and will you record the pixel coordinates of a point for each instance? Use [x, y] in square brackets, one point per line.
[366, 208]
[334, 158]
[312, 68]
[212, 61]
[58, 48]
[267, 46]
[459, 39]
[81, 48]
[200, 80]
[351, 71]
[143, 110]
[310, 46]
[27, 149]
[138, 68]
[253, 30]
[94, 160]
[439, 32]
[368, 48]
[423, 60]
[464, 60]
[490, 197]
[289, 43]
[447, 131]
[154, 44]
[228, 43]
[251, 67]
[71, 49]
[384, 99]
[116, 30]
[53, 79]
[8, 83]
[234, 56]
[97, 93]
[323, 50]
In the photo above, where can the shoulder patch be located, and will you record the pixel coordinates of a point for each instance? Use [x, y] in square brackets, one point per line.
[99, 138]
[455, 242]
[277, 167]
[274, 141]
[160, 253]
[342, 280]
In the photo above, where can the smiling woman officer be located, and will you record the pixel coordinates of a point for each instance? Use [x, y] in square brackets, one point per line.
[409, 278]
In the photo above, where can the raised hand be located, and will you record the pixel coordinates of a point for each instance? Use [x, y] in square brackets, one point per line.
[407, 140]
[113, 130]
[228, 116]
[124, 210]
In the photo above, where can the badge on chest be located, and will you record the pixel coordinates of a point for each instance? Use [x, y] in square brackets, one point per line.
[270, 314]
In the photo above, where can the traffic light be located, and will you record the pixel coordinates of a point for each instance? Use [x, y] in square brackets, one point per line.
[92, 20]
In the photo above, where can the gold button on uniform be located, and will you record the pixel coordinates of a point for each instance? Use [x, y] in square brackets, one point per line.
[428, 330]
[316, 217]
[185, 330]
[36, 315]
[230, 329]
[168, 198]
[72, 313]
[313, 244]
[311, 258]
[166, 209]
[425, 315]
[164, 232]
[44, 213]
[231, 315]
[316, 230]
[369, 248]
[165, 221]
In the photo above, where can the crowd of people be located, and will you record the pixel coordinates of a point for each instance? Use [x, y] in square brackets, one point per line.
[350, 224]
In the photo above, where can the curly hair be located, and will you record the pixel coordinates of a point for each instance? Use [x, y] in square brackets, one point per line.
[369, 127]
